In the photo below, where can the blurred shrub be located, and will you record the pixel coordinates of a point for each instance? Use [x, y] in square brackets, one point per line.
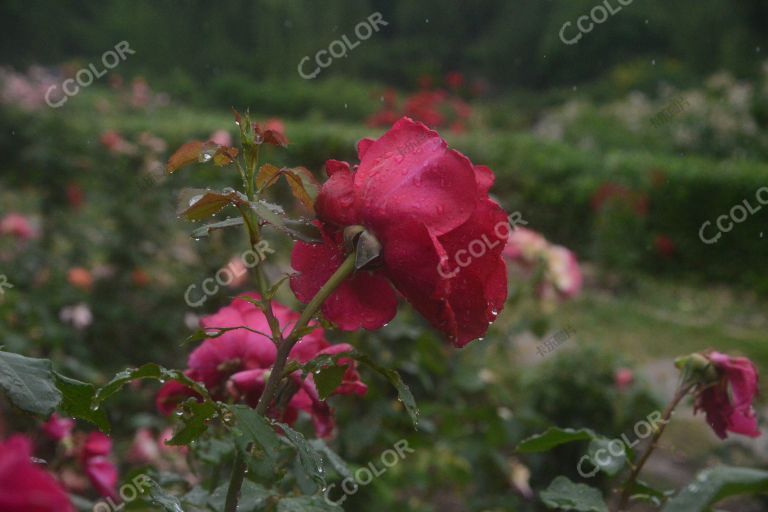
[331, 98]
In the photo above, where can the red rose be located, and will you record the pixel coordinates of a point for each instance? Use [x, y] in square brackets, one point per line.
[237, 364]
[25, 487]
[424, 203]
[730, 411]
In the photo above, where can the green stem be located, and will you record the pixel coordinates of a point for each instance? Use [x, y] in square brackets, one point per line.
[666, 415]
[276, 374]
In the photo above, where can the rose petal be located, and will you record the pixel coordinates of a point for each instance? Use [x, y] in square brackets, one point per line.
[410, 174]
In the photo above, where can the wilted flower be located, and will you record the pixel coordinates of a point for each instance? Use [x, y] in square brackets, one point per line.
[727, 402]
[422, 202]
[25, 487]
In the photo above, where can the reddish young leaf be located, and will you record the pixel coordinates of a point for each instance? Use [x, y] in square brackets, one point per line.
[190, 153]
[185, 155]
[195, 204]
[267, 176]
[225, 155]
[298, 190]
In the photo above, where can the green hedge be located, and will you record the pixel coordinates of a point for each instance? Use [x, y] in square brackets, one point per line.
[552, 184]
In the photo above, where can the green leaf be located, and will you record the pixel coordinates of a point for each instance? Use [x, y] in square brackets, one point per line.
[715, 484]
[77, 398]
[310, 459]
[565, 495]
[28, 383]
[148, 371]
[274, 216]
[252, 497]
[257, 430]
[157, 496]
[306, 504]
[194, 422]
[613, 464]
[197, 496]
[204, 231]
[643, 492]
[337, 463]
[552, 437]
[403, 391]
[328, 379]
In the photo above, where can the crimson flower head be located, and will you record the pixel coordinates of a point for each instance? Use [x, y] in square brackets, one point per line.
[94, 457]
[25, 487]
[727, 403]
[236, 365]
[428, 207]
[58, 428]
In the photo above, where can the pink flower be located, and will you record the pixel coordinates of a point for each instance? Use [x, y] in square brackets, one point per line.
[525, 246]
[144, 448]
[25, 487]
[275, 124]
[18, 226]
[115, 143]
[239, 272]
[236, 364]
[728, 403]
[102, 475]
[221, 137]
[425, 203]
[623, 378]
[57, 428]
[99, 470]
[564, 271]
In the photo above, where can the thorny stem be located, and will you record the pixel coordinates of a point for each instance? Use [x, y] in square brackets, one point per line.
[276, 374]
[682, 391]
